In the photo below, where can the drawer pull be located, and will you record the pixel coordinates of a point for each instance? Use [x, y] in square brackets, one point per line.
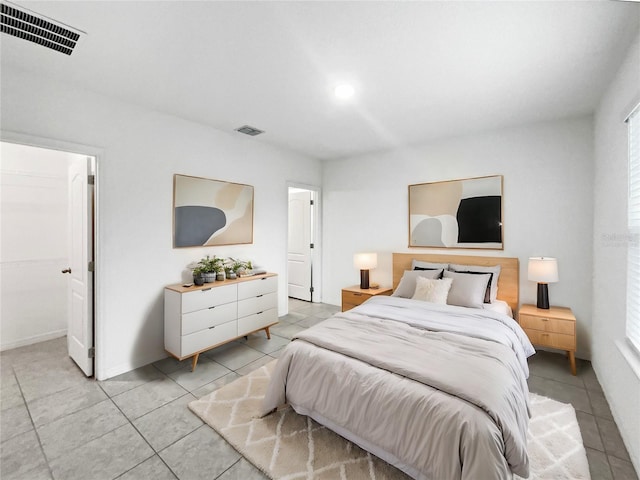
[211, 308]
[211, 328]
[259, 296]
[259, 313]
[544, 319]
[357, 294]
[205, 289]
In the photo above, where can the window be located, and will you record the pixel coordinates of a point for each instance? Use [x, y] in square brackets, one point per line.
[633, 222]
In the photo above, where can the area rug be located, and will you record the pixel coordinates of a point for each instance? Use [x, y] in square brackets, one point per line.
[288, 446]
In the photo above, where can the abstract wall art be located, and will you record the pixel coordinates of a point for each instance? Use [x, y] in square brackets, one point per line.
[211, 212]
[463, 213]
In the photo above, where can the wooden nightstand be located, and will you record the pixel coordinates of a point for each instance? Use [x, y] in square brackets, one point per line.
[354, 296]
[554, 328]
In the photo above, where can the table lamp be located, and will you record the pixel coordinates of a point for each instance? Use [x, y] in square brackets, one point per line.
[365, 262]
[543, 270]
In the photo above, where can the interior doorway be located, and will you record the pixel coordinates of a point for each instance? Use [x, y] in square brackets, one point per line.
[48, 225]
[303, 248]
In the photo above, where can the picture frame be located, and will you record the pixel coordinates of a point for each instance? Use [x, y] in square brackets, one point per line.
[208, 212]
[463, 213]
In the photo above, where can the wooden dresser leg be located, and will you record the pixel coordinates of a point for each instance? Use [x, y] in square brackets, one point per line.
[572, 362]
[266, 329]
[194, 362]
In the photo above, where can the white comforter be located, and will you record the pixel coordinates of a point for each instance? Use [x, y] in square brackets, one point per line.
[436, 405]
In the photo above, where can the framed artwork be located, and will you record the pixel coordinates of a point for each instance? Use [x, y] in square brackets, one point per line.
[211, 212]
[463, 213]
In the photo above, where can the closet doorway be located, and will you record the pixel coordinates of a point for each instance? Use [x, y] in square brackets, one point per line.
[47, 253]
[303, 248]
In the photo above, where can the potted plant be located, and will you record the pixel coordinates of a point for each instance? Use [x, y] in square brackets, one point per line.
[198, 275]
[207, 267]
[238, 267]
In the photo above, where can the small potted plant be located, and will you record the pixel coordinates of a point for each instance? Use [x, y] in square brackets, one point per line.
[198, 275]
[207, 267]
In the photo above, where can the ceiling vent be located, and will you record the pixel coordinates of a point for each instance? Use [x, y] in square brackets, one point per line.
[247, 130]
[37, 29]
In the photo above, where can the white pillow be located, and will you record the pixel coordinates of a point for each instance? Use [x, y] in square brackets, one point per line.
[407, 284]
[431, 290]
[468, 289]
[493, 286]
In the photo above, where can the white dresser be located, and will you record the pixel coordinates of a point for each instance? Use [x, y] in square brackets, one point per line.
[199, 318]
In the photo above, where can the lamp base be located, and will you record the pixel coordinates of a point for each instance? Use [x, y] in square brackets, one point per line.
[543, 296]
[364, 279]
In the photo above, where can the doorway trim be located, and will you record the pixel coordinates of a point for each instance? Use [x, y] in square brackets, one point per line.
[98, 155]
[316, 256]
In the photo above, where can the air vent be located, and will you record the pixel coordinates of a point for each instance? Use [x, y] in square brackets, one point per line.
[247, 130]
[36, 29]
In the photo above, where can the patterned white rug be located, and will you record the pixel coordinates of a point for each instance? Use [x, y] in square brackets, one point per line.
[285, 445]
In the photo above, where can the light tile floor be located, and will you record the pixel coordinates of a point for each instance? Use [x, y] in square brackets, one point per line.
[56, 424]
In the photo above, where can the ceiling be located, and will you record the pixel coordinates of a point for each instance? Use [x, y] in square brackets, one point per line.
[421, 70]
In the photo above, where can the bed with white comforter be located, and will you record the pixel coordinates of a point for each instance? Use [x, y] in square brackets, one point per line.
[439, 391]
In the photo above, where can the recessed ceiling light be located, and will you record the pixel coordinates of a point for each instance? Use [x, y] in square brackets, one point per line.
[344, 91]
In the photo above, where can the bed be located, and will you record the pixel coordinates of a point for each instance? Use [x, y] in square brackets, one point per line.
[439, 391]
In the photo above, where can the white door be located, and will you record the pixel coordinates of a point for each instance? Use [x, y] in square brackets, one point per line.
[80, 282]
[299, 255]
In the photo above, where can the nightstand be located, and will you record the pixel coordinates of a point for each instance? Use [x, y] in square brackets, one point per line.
[354, 296]
[554, 328]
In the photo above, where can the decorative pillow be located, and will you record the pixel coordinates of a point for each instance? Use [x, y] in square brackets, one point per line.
[493, 282]
[432, 290]
[407, 285]
[467, 290]
[420, 265]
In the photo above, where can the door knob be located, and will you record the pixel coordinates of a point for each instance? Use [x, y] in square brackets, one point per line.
[66, 270]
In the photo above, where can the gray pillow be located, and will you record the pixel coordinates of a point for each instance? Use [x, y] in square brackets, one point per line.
[418, 265]
[467, 290]
[493, 282]
[407, 286]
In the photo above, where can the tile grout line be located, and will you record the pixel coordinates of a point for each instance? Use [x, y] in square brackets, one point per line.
[145, 440]
[35, 430]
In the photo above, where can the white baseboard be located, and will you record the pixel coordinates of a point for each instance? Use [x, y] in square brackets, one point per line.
[127, 367]
[31, 340]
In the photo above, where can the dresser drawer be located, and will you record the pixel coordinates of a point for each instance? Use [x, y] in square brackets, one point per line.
[354, 298]
[259, 286]
[209, 317]
[547, 324]
[257, 321]
[554, 340]
[208, 297]
[208, 338]
[257, 304]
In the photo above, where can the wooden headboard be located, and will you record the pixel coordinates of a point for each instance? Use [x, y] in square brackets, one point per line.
[508, 281]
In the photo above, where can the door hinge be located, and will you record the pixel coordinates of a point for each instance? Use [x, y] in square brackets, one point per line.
[311, 289]
[92, 352]
[91, 179]
[310, 202]
[91, 266]
[311, 245]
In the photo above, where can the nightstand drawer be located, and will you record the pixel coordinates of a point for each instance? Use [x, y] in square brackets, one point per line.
[354, 298]
[553, 340]
[547, 324]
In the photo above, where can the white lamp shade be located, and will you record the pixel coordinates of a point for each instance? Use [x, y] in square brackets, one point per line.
[365, 261]
[543, 269]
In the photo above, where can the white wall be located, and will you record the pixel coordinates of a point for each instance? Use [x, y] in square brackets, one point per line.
[620, 382]
[141, 150]
[548, 180]
[33, 246]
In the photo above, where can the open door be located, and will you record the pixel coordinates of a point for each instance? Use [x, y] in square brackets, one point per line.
[300, 244]
[80, 270]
